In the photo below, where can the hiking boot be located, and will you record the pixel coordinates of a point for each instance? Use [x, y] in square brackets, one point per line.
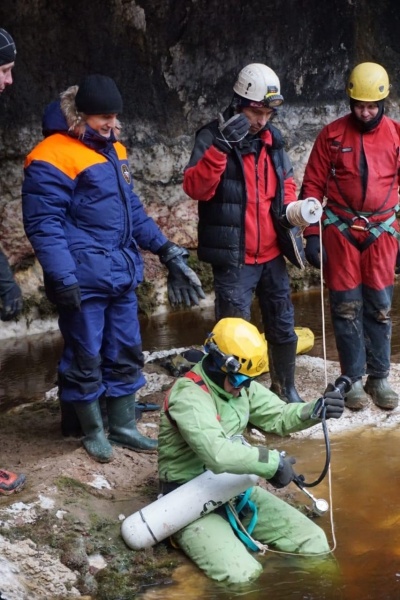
[356, 398]
[10, 483]
[183, 362]
[381, 393]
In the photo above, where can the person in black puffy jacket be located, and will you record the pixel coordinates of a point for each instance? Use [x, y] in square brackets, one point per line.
[243, 179]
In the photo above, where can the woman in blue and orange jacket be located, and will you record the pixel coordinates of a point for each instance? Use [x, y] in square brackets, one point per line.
[86, 225]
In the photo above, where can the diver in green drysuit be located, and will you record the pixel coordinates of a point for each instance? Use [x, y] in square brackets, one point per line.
[205, 414]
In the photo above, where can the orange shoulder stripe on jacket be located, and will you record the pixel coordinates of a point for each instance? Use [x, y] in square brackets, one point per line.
[68, 154]
[120, 150]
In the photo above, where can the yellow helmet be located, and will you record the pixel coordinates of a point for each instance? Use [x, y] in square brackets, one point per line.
[241, 344]
[368, 82]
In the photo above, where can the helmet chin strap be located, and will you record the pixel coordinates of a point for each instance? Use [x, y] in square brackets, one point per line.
[370, 125]
[213, 371]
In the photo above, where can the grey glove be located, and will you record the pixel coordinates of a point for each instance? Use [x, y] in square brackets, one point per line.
[232, 131]
[284, 474]
[10, 292]
[12, 303]
[332, 402]
[313, 251]
[68, 297]
[182, 282]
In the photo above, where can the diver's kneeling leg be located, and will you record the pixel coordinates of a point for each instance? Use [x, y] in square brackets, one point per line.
[213, 546]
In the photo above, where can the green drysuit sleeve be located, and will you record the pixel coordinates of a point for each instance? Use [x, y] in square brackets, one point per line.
[196, 433]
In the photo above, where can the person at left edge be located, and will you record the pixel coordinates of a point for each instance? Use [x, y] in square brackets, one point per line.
[86, 225]
[10, 292]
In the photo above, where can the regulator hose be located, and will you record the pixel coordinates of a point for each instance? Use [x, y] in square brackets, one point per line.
[342, 385]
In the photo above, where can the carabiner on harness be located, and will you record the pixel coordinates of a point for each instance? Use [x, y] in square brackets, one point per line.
[360, 227]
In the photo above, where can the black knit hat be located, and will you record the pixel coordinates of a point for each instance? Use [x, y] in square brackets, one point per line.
[7, 48]
[98, 95]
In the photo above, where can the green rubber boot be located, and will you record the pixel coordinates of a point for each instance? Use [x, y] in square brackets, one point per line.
[381, 393]
[94, 440]
[122, 425]
[356, 398]
[70, 425]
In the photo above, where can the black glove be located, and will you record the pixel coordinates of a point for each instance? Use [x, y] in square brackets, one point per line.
[285, 474]
[313, 251]
[333, 401]
[397, 268]
[182, 282]
[232, 131]
[12, 303]
[68, 297]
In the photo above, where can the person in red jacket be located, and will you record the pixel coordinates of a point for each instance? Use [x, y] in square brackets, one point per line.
[355, 165]
[242, 177]
[10, 292]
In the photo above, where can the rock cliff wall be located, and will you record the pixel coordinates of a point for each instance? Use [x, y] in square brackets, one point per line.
[175, 62]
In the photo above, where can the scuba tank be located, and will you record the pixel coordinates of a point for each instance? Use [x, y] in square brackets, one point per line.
[182, 506]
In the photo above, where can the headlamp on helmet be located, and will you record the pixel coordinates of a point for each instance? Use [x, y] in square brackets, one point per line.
[257, 85]
[272, 98]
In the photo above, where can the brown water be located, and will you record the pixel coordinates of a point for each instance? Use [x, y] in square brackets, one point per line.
[365, 523]
[365, 474]
[28, 365]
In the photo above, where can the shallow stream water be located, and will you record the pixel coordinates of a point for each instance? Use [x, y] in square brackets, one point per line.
[364, 526]
[28, 365]
[365, 523]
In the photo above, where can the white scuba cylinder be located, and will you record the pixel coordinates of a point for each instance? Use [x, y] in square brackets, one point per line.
[186, 504]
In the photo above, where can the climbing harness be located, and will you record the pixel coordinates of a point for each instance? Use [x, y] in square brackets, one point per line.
[374, 228]
[359, 220]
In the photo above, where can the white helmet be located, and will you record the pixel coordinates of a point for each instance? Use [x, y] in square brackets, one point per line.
[259, 85]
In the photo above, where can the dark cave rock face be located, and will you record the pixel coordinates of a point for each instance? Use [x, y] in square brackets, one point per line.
[175, 62]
